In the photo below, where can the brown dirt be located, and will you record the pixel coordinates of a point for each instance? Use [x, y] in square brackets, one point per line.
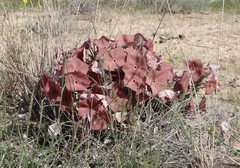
[206, 38]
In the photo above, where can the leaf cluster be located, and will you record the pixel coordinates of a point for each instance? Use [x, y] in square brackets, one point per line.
[104, 80]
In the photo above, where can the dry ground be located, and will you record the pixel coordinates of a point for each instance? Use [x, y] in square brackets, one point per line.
[207, 37]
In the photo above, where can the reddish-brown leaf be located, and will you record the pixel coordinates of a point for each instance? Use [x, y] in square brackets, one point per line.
[142, 42]
[195, 66]
[114, 59]
[103, 44]
[50, 88]
[157, 80]
[211, 86]
[117, 101]
[202, 105]
[131, 51]
[76, 65]
[66, 102]
[96, 89]
[92, 115]
[190, 106]
[76, 81]
[182, 83]
[79, 53]
[135, 70]
[165, 66]
[95, 77]
[123, 39]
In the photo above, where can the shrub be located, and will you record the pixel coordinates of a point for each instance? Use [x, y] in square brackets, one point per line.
[176, 6]
[80, 7]
[104, 80]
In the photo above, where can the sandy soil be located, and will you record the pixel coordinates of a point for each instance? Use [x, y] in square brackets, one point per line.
[207, 37]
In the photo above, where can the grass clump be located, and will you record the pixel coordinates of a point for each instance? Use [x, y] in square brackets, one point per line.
[80, 7]
[181, 6]
[229, 6]
[14, 5]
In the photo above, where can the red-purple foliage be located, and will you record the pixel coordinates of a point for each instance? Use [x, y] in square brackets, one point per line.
[111, 77]
[211, 86]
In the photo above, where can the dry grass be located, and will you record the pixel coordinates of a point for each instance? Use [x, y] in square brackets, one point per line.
[29, 39]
